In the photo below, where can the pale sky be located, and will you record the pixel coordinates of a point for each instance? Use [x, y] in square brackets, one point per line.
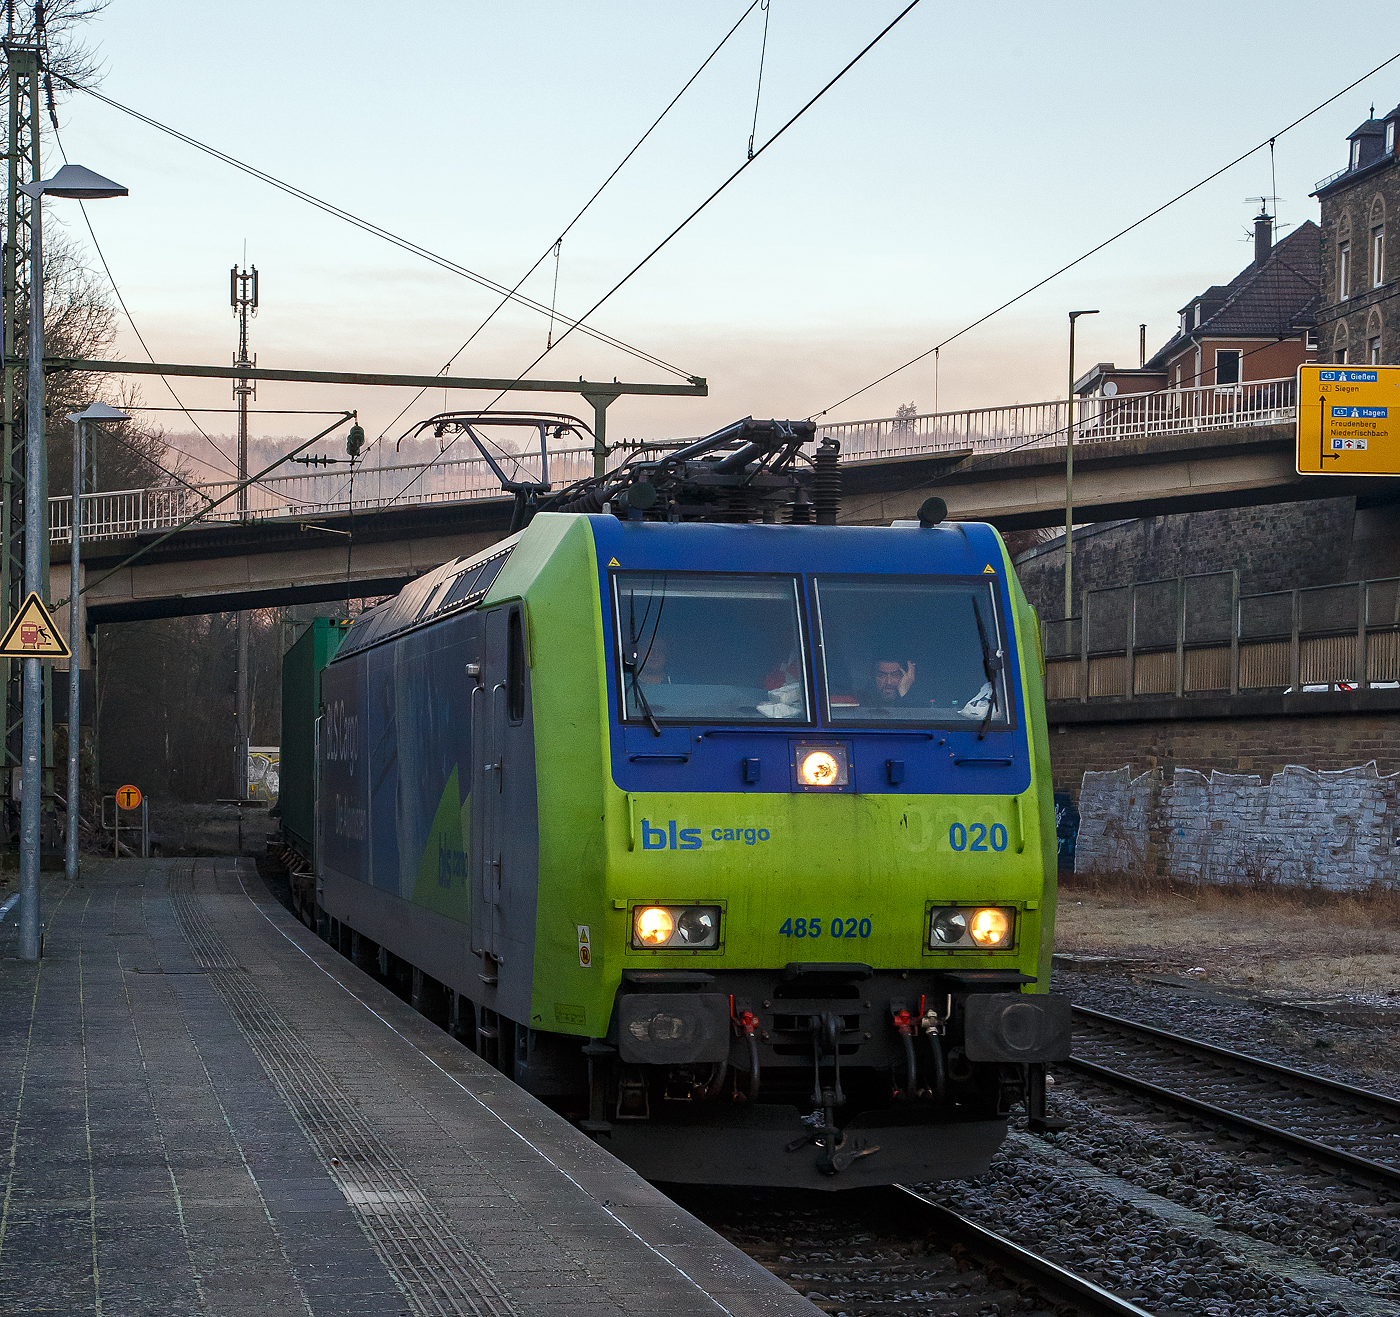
[973, 151]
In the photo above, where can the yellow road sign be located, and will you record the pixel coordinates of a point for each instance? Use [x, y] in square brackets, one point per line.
[129, 797]
[32, 634]
[1348, 421]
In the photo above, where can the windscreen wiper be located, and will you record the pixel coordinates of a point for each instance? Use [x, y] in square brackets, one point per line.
[991, 665]
[629, 661]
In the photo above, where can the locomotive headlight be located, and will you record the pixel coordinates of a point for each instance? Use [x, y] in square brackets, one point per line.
[949, 927]
[990, 927]
[822, 766]
[698, 927]
[654, 926]
[676, 927]
[985, 928]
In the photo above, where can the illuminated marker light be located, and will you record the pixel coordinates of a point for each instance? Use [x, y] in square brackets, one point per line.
[990, 927]
[654, 926]
[820, 769]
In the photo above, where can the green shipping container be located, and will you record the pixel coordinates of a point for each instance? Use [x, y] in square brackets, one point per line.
[302, 666]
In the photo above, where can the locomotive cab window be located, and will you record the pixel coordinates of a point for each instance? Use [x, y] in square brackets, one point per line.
[515, 667]
[913, 650]
[700, 646]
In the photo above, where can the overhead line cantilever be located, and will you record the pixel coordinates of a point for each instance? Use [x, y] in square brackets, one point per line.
[695, 386]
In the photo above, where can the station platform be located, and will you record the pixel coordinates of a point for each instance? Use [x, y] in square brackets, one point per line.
[204, 1109]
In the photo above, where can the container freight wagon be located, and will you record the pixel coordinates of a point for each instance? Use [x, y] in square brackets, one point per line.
[733, 842]
[302, 666]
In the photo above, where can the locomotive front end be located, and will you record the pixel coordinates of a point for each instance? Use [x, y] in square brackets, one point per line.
[821, 946]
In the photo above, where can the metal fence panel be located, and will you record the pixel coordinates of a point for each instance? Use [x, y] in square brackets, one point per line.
[1154, 674]
[1383, 602]
[1209, 608]
[1062, 637]
[1265, 665]
[1155, 615]
[1328, 608]
[1264, 615]
[1110, 616]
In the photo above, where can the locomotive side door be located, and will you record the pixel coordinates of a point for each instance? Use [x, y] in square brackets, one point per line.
[488, 785]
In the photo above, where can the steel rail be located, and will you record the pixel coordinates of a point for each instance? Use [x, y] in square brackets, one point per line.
[1332, 1087]
[1055, 1282]
[1298, 1143]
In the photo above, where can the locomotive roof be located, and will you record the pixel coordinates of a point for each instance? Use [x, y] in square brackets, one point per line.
[464, 583]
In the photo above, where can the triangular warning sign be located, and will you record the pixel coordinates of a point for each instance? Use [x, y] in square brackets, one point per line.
[32, 634]
[613, 562]
[989, 570]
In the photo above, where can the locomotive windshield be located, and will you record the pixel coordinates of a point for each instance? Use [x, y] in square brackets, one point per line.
[912, 650]
[710, 647]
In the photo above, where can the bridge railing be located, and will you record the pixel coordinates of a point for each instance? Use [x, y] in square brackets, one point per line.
[317, 492]
[1097, 420]
[321, 491]
[1197, 635]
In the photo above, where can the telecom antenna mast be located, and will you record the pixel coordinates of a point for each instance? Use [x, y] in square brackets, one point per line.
[243, 297]
[22, 159]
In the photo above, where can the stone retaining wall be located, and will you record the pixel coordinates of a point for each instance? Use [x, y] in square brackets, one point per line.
[1336, 830]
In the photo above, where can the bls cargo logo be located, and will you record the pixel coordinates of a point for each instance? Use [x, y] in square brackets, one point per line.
[690, 839]
[340, 734]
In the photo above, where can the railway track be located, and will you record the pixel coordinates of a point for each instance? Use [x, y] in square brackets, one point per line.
[1313, 1118]
[895, 1253]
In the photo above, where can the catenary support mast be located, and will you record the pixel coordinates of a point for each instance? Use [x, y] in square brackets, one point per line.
[243, 296]
[22, 166]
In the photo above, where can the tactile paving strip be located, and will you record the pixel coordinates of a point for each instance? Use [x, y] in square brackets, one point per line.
[440, 1274]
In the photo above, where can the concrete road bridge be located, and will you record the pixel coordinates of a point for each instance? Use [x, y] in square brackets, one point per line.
[330, 535]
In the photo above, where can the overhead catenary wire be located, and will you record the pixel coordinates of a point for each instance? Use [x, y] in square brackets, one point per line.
[826, 87]
[376, 230]
[758, 89]
[126, 311]
[1098, 247]
[557, 244]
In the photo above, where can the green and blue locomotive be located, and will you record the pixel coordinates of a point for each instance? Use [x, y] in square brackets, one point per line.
[731, 840]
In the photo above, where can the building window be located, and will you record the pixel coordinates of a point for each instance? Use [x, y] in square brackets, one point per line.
[1198, 315]
[1378, 256]
[1390, 138]
[1227, 366]
[1356, 154]
[1310, 341]
[1176, 384]
[1373, 351]
[1341, 357]
[1343, 270]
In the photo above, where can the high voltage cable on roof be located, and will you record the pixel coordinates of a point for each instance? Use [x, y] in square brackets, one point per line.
[376, 230]
[845, 69]
[1195, 187]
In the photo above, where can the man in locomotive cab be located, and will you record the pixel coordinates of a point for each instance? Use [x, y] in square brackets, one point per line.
[893, 680]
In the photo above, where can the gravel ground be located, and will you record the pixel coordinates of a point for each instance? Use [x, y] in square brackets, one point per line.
[1181, 1221]
[1353, 1053]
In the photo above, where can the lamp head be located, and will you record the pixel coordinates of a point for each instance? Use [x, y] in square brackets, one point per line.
[99, 411]
[78, 182]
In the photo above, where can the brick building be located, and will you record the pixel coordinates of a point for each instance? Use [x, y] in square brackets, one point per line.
[1359, 319]
[1259, 326]
[1328, 292]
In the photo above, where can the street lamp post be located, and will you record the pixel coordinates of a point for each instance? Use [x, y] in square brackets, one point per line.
[70, 181]
[1069, 472]
[98, 411]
